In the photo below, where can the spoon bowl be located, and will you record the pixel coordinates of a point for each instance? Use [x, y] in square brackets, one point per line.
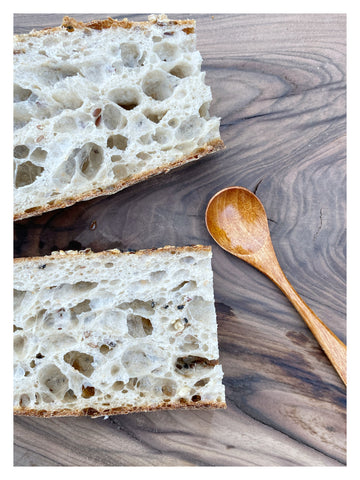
[237, 221]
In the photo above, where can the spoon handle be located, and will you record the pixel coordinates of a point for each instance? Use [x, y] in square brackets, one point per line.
[333, 347]
[329, 342]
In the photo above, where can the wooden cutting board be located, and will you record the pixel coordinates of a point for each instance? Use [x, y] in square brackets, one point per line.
[278, 83]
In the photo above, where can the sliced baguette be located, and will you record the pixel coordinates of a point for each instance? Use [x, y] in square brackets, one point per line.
[102, 105]
[112, 333]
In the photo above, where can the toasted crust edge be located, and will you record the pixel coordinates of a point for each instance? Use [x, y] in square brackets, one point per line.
[91, 412]
[114, 251]
[70, 24]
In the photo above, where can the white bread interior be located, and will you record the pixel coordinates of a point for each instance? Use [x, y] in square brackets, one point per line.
[101, 106]
[111, 332]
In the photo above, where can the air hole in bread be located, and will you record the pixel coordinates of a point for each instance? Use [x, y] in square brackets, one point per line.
[24, 400]
[81, 287]
[132, 383]
[69, 396]
[126, 98]
[82, 362]
[52, 75]
[189, 128]
[202, 382]
[19, 344]
[38, 155]
[157, 276]
[167, 52]
[145, 139]
[162, 136]
[22, 115]
[65, 124]
[21, 151]
[157, 85]
[117, 386]
[139, 326]
[118, 141]
[130, 54]
[114, 369]
[67, 99]
[181, 70]
[27, 173]
[204, 110]
[185, 147]
[116, 158]
[66, 170]
[21, 94]
[54, 380]
[169, 387]
[189, 260]
[30, 322]
[90, 158]
[120, 171]
[154, 117]
[139, 285]
[47, 398]
[178, 287]
[18, 297]
[173, 122]
[190, 344]
[140, 361]
[112, 117]
[196, 398]
[87, 391]
[81, 307]
[184, 365]
[143, 155]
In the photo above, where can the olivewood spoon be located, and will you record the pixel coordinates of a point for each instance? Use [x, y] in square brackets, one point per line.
[236, 219]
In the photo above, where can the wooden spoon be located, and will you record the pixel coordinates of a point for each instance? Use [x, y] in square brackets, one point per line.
[236, 219]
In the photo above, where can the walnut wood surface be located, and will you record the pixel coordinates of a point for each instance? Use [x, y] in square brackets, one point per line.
[278, 83]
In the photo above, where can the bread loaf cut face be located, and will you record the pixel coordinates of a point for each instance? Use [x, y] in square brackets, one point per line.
[103, 105]
[112, 333]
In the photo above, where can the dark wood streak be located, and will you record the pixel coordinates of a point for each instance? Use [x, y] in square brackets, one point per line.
[279, 86]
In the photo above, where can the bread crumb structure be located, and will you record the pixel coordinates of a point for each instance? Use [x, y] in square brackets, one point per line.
[104, 105]
[110, 333]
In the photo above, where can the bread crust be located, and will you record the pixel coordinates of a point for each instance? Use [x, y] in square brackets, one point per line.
[70, 24]
[115, 251]
[210, 147]
[94, 413]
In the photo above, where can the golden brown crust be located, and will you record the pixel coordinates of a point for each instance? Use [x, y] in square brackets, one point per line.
[91, 412]
[88, 252]
[208, 148]
[70, 24]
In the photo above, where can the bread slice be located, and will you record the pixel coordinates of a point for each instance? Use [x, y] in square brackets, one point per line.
[111, 333]
[103, 105]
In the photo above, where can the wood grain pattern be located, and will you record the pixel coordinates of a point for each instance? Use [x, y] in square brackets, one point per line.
[279, 84]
